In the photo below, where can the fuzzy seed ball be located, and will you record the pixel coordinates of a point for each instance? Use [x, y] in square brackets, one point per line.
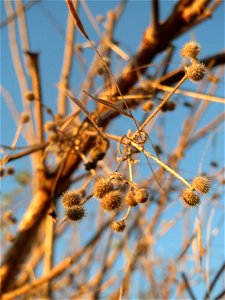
[102, 186]
[130, 199]
[29, 96]
[141, 195]
[117, 176]
[171, 105]
[191, 50]
[100, 18]
[118, 226]
[164, 108]
[10, 171]
[58, 117]
[148, 106]
[111, 201]
[71, 198]
[2, 172]
[119, 182]
[196, 72]
[201, 184]
[75, 213]
[49, 126]
[25, 118]
[190, 198]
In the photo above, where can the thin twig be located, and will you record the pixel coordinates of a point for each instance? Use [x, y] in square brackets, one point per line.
[155, 16]
[160, 105]
[188, 287]
[190, 94]
[214, 281]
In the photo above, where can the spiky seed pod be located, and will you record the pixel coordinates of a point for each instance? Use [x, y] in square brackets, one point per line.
[118, 226]
[96, 154]
[29, 95]
[53, 137]
[196, 71]
[75, 213]
[106, 60]
[101, 69]
[201, 184]
[102, 186]
[10, 170]
[71, 198]
[148, 106]
[50, 126]
[9, 217]
[2, 172]
[49, 111]
[24, 117]
[111, 201]
[117, 176]
[191, 50]
[171, 105]
[190, 198]
[119, 182]
[100, 18]
[130, 199]
[164, 107]
[141, 195]
[58, 118]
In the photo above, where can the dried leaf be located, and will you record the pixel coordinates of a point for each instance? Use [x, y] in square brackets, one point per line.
[76, 18]
[109, 104]
[85, 111]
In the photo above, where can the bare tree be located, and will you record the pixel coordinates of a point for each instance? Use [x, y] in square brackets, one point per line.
[120, 183]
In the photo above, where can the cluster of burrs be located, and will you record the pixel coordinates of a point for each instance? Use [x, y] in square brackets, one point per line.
[113, 192]
[200, 184]
[196, 70]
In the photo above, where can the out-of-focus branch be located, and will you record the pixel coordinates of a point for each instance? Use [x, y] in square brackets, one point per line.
[214, 281]
[155, 16]
[40, 205]
[66, 66]
[32, 149]
[184, 14]
[220, 295]
[207, 129]
[48, 253]
[176, 75]
[188, 287]
[61, 267]
[36, 84]
[14, 15]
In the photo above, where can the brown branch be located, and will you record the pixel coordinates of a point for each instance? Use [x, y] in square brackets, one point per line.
[26, 235]
[48, 253]
[155, 16]
[188, 287]
[36, 84]
[176, 75]
[207, 129]
[220, 295]
[214, 281]
[184, 14]
[66, 66]
[14, 15]
[56, 271]
[32, 149]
